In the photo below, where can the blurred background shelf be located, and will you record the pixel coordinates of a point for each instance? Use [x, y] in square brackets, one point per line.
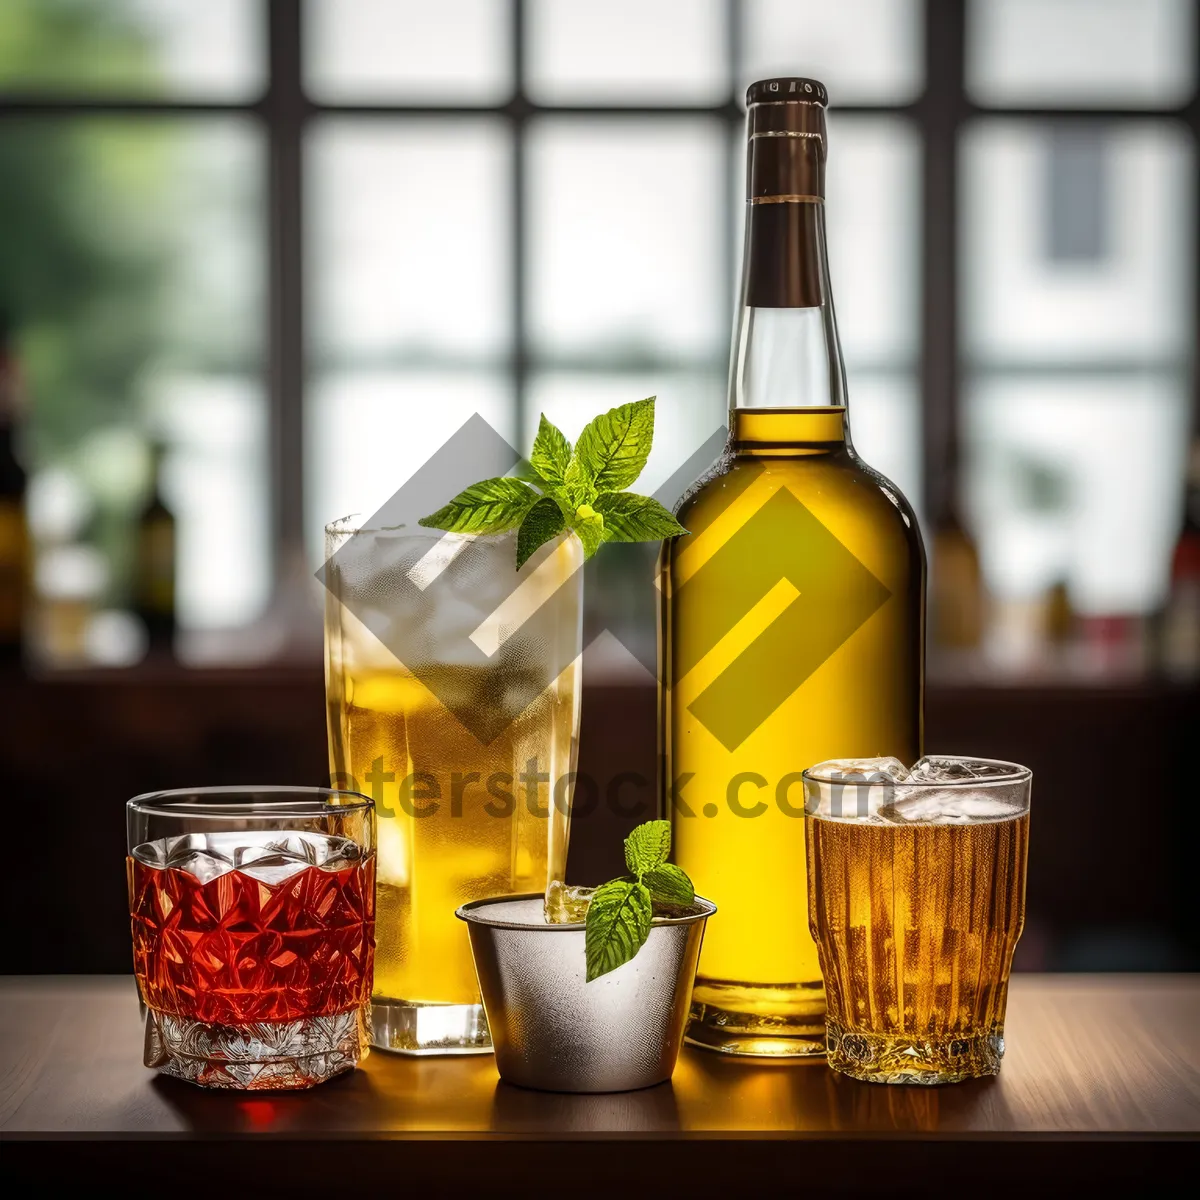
[1114, 825]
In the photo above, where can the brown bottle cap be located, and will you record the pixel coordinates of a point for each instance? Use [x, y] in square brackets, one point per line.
[785, 181]
[788, 89]
[785, 127]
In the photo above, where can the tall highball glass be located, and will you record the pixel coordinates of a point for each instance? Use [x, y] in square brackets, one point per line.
[453, 690]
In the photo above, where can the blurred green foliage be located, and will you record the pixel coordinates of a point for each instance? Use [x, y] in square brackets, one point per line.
[75, 45]
[82, 289]
[82, 273]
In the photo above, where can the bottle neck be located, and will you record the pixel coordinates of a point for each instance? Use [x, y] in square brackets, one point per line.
[788, 432]
[155, 503]
[786, 352]
[8, 387]
[12, 475]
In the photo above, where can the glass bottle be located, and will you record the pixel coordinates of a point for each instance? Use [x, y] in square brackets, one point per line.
[791, 627]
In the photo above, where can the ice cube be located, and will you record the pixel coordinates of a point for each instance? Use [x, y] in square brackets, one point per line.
[338, 853]
[943, 768]
[269, 856]
[893, 768]
[306, 847]
[182, 845]
[274, 867]
[282, 855]
[152, 854]
[567, 904]
[204, 865]
[945, 806]
[854, 789]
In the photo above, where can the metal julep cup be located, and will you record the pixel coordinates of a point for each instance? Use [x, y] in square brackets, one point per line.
[554, 1031]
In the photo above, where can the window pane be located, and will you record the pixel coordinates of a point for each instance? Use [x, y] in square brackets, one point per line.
[626, 50]
[625, 221]
[885, 426]
[871, 215]
[410, 237]
[451, 52]
[862, 50]
[1080, 52]
[219, 484]
[367, 431]
[690, 407]
[132, 262]
[133, 47]
[1077, 242]
[1076, 480]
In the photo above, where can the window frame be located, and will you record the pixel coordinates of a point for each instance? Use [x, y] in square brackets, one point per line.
[939, 115]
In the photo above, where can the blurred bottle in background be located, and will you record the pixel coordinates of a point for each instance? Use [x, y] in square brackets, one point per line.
[957, 601]
[154, 568]
[71, 582]
[1061, 624]
[14, 535]
[1179, 644]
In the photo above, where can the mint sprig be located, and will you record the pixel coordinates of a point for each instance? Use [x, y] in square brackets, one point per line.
[620, 911]
[580, 489]
[618, 923]
[490, 506]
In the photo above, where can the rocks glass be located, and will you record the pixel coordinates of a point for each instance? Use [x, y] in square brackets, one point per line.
[253, 918]
[916, 886]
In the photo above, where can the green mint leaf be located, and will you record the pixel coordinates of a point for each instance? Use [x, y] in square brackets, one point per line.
[583, 484]
[491, 506]
[668, 884]
[629, 517]
[647, 846]
[614, 447]
[589, 528]
[551, 453]
[542, 522]
[618, 923]
[527, 474]
[577, 485]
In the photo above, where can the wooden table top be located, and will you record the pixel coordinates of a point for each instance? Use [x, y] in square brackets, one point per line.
[1102, 1077]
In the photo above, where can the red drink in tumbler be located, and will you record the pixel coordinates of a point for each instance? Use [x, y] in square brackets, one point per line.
[238, 949]
[253, 951]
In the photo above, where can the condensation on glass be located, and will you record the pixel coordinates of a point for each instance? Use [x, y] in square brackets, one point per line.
[453, 693]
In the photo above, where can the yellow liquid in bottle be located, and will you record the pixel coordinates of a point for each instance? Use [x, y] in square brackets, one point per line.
[792, 634]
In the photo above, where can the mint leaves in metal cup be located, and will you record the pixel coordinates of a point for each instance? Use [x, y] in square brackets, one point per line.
[620, 911]
[580, 489]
